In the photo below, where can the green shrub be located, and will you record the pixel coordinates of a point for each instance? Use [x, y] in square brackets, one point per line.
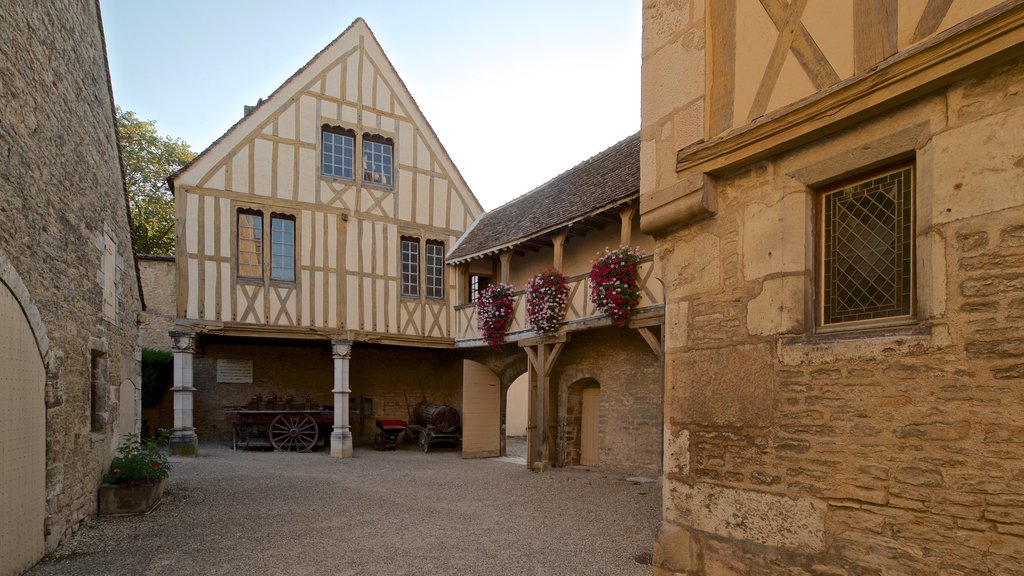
[138, 462]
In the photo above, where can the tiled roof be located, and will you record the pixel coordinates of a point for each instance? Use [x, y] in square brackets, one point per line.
[590, 187]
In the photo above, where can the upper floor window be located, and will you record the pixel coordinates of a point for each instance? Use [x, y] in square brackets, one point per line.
[250, 244]
[867, 250]
[410, 266]
[338, 152]
[435, 270]
[476, 284]
[377, 153]
[282, 248]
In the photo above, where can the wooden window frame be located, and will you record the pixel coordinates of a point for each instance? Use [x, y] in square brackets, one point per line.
[908, 254]
[238, 239]
[337, 131]
[413, 263]
[473, 288]
[429, 276]
[387, 177]
[274, 216]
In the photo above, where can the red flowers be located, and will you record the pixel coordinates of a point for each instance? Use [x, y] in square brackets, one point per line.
[494, 313]
[546, 294]
[614, 287]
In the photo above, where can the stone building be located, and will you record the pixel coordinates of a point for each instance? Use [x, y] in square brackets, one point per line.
[595, 389]
[69, 296]
[835, 188]
[310, 254]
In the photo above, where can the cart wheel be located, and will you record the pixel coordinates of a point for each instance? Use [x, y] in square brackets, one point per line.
[293, 432]
[425, 441]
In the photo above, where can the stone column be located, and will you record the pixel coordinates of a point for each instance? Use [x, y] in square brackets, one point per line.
[183, 440]
[341, 437]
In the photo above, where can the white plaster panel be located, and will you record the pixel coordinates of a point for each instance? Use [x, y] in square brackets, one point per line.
[422, 199]
[383, 95]
[370, 121]
[216, 181]
[378, 308]
[351, 303]
[767, 519]
[307, 175]
[209, 224]
[831, 25]
[305, 237]
[440, 201]
[392, 305]
[307, 120]
[318, 302]
[332, 300]
[210, 290]
[307, 316]
[387, 124]
[286, 171]
[390, 248]
[457, 211]
[349, 115]
[263, 160]
[352, 245]
[366, 82]
[423, 159]
[366, 234]
[286, 123]
[332, 82]
[378, 238]
[192, 296]
[352, 78]
[331, 241]
[774, 237]
[240, 171]
[225, 227]
[191, 223]
[225, 290]
[367, 287]
[404, 146]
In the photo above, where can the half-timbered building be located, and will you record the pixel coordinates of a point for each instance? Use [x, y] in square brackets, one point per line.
[313, 232]
[594, 388]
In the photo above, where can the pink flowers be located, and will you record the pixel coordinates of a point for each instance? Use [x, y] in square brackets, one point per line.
[546, 294]
[614, 288]
[494, 312]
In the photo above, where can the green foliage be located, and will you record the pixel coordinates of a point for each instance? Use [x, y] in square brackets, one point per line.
[157, 375]
[138, 462]
[148, 160]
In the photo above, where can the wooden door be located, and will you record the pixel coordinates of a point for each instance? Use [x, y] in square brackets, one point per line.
[481, 411]
[590, 436]
[22, 440]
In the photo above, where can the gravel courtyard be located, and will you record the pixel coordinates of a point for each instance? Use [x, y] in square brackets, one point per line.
[387, 513]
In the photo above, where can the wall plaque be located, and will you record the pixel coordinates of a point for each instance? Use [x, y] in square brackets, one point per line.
[234, 371]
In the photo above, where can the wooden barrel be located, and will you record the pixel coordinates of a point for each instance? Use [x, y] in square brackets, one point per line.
[444, 418]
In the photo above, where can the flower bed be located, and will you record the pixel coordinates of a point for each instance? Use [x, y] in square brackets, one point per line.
[546, 294]
[494, 313]
[614, 284]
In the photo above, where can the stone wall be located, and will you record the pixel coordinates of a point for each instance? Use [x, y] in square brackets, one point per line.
[629, 376]
[382, 378]
[63, 196]
[890, 450]
[158, 285]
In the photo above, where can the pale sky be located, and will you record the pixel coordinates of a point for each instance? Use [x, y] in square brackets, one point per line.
[518, 90]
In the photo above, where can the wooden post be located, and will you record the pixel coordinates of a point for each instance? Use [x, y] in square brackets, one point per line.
[626, 214]
[506, 261]
[559, 242]
[543, 419]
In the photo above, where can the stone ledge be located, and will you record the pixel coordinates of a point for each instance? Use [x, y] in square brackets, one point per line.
[863, 345]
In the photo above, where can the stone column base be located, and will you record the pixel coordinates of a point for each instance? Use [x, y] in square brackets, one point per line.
[183, 443]
[341, 444]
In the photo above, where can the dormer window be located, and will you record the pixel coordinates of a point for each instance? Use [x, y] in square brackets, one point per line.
[338, 159]
[377, 154]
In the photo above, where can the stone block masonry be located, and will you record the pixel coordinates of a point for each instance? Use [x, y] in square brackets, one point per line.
[64, 231]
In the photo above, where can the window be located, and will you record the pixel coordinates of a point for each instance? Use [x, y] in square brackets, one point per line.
[377, 160]
[410, 266]
[338, 152]
[476, 284]
[435, 270]
[250, 244]
[867, 250]
[282, 248]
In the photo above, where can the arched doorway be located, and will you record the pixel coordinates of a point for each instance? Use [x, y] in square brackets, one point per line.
[22, 440]
[517, 410]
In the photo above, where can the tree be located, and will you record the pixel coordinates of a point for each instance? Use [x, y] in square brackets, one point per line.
[148, 159]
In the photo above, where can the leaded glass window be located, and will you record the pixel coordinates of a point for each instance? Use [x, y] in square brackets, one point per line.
[435, 270]
[282, 248]
[338, 153]
[250, 245]
[867, 249]
[410, 267]
[377, 162]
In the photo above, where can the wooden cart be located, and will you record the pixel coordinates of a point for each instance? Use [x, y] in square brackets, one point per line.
[289, 430]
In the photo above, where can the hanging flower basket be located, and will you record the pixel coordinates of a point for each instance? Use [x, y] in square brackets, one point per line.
[614, 284]
[546, 294]
[494, 313]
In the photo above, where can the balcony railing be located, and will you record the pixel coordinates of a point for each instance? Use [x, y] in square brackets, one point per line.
[579, 311]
